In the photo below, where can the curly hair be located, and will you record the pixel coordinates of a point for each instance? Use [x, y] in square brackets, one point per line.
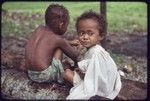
[96, 17]
[55, 14]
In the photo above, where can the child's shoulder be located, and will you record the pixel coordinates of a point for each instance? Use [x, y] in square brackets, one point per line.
[39, 28]
[98, 49]
[43, 29]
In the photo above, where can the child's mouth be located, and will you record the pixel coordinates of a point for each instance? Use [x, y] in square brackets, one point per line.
[85, 44]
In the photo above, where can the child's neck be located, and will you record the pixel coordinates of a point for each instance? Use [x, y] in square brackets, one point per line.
[50, 29]
[93, 46]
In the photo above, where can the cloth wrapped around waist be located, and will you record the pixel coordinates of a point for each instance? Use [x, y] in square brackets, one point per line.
[53, 73]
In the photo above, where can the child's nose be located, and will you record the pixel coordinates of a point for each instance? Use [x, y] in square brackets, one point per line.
[86, 36]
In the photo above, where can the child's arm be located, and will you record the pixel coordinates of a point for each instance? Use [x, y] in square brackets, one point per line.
[74, 42]
[68, 50]
[67, 65]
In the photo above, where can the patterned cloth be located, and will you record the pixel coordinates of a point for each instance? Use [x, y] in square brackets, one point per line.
[53, 73]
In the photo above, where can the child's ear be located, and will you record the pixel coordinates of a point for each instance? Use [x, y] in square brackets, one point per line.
[61, 25]
[101, 37]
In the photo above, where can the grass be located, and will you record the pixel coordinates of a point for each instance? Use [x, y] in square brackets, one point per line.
[117, 58]
[121, 16]
[127, 16]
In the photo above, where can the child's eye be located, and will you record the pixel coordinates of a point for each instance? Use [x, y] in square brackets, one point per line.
[90, 33]
[81, 33]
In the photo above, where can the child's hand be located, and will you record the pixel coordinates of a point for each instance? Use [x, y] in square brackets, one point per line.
[75, 42]
[81, 49]
[78, 70]
[67, 65]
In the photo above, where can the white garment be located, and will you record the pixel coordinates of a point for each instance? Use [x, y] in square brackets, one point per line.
[101, 76]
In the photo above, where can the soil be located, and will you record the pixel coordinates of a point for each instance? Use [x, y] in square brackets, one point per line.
[132, 48]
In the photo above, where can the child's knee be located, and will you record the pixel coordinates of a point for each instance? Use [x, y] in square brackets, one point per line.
[68, 74]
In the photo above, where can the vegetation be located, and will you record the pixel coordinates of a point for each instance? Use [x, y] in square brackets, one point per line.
[122, 16]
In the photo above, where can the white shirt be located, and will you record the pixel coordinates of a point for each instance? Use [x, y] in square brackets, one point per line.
[101, 76]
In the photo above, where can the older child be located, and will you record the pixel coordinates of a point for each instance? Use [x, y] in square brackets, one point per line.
[44, 49]
[97, 73]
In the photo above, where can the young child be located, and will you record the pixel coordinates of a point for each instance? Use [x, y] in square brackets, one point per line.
[44, 49]
[97, 73]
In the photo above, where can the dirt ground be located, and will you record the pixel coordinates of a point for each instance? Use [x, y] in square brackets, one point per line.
[131, 48]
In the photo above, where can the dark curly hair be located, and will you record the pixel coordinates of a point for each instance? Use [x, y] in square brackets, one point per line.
[92, 15]
[55, 14]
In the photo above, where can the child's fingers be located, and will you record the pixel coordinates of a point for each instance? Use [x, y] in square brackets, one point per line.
[78, 70]
[80, 73]
[66, 64]
[76, 42]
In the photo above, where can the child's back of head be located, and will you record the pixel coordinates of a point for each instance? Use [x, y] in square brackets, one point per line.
[57, 18]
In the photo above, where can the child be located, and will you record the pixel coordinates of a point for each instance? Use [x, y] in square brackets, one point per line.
[97, 73]
[44, 49]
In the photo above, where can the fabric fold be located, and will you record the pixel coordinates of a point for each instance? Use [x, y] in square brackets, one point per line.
[101, 76]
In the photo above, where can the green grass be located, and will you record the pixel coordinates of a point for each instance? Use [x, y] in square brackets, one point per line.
[121, 16]
[75, 8]
[117, 58]
[40, 7]
[127, 16]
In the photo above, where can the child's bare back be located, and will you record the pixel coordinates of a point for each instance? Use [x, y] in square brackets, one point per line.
[42, 46]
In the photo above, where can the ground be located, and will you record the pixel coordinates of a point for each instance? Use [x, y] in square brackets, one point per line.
[132, 50]
[13, 81]
[127, 49]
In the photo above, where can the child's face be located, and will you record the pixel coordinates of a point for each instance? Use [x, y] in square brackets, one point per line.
[88, 32]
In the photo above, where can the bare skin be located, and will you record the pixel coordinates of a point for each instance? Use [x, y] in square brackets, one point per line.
[43, 46]
[89, 36]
